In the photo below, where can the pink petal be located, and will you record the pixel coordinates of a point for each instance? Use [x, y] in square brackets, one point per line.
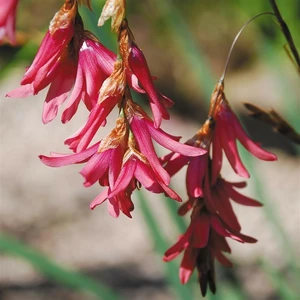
[144, 174]
[231, 151]
[115, 166]
[139, 67]
[168, 142]
[178, 247]
[249, 144]
[225, 210]
[175, 163]
[113, 207]
[21, 92]
[187, 265]
[124, 178]
[143, 137]
[201, 229]
[209, 202]
[99, 199]
[194, 176]
[57, 94]
[239, 198]
[63, 160]
[96, 167]
[75, 97]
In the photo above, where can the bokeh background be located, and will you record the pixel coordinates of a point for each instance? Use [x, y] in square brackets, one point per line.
[53, 247]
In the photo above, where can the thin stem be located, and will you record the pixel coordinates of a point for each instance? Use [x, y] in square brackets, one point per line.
[285, 30]
[235, 40]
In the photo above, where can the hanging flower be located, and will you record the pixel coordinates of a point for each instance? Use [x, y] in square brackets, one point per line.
[72, 61]
[227, 130]
[125, 159]
[202, 243]
[8, 20]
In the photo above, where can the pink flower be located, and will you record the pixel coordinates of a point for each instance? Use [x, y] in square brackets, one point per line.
[203, 242]
[124, 159]
[138, 75]
[135, 168]
[110, 95]
[227, 130]
[158, 102]
[144, 131]
[196, 165]
[68, 57]
[8, 20]
[217, 200]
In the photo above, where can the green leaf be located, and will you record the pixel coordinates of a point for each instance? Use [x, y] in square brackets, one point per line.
[53, 271]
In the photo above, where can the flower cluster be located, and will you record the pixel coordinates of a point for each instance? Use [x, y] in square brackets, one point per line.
[76, 67]
[209, 195]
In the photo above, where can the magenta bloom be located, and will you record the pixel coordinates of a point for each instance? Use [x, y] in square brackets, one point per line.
[203, 242]
[73, 63]
[217, 200]
[124, 159]
[227, 130]
[134, 169]
[8, 20]
[196, 170]
[139, 68]
[144, 131]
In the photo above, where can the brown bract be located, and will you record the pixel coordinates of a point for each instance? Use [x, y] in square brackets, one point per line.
[64, 17]
[204, 135]
[272, 118]
[114, 9]
[217, 98]
[132, 109]
[118, 136]
[132, 151]
[125, 40]
[115, 84]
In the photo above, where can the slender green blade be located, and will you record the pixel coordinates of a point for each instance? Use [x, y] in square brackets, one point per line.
[53, 271]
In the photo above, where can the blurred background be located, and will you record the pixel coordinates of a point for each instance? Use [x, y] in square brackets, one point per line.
[52, 246]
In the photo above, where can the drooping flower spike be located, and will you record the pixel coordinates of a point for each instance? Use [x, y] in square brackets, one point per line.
[209, 195]
[71, 61]
[124, 158]
[8, 20]
[227, 130]
[202, 243]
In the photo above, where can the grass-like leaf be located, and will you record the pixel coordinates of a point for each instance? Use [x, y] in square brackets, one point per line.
[51, 270]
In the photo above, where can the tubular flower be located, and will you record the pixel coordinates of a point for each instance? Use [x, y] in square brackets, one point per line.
[137, 69]
[212, 217]
[202, 243]
[197, 165]
[144, 131]
[125, 159]
[8, 20]
[111, 94]
[71, 61]
[227, 130]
